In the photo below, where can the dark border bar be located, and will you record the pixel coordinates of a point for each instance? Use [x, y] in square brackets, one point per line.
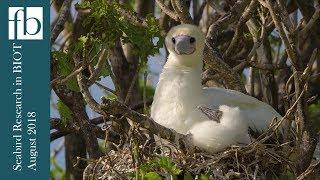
[24, 77]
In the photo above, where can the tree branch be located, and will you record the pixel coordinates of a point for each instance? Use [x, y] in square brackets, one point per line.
[59, 25]
[115, 107]
[167, 10]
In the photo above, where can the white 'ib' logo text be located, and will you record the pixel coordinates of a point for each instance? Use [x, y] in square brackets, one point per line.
[25, 23]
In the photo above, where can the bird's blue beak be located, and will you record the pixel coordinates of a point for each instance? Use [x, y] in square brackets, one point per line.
[184, 45]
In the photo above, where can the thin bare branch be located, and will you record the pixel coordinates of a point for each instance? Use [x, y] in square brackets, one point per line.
[63, 16]
[99, 66]
[183, 12]
[146, 122]
[240, 27]
[215, 6]
[167, 10]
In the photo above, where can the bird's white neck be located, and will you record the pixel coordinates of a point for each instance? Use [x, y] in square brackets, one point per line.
[184, 74]
[177, 95]
[180, 84]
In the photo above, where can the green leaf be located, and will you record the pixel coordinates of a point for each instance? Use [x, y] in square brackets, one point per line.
[111, 97]
[163, 162]
[83, 39]
[149, 89]
[65, 67]
[187, 177]
[65, 112]
[152, 176]
[204, 177]
[290, 175]
[314, 113]
[56, 172]
[106, 23]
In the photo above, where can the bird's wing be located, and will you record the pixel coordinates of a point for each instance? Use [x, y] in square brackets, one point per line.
[212, 113]
[257, 113]
[220, 96]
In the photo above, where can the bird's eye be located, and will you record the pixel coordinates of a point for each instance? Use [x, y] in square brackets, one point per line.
[192, 40]
[173, 40]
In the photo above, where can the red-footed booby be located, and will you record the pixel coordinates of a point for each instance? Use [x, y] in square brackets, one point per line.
[179, 94]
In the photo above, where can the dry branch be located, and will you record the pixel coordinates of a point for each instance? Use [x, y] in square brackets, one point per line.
[247, 14]
[59, 25]
[199, 14]
[215, 6]
[311, 171]
[180, 6]
[68, 128]
[116, 107]
[212, 58]
[167, 10]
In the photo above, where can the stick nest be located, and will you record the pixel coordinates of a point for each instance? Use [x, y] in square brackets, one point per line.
[254, 161]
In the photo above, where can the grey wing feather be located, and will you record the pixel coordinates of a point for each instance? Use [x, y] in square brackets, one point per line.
[211, 113]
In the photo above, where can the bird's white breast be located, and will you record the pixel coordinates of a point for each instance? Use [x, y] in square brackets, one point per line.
[176, 99]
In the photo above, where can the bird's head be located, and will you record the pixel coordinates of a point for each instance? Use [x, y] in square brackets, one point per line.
[185, 44]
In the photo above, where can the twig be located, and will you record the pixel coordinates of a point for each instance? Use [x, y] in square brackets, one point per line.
[130, 90]
[144, 121]
[211, 55]
[307, 72]
[313, 168]
[232, 16]
[83, 85]
[231, 78]
[105, 87]
[133, 17]
[216, 7]
[67, 78]
[240, 27]
[99, 66]
[271, 131]
[167, 10]
[180, 8]
[290, 50]
[199, 14]
[145, 76]
[63, 16]
[63, 130]
[303, 33]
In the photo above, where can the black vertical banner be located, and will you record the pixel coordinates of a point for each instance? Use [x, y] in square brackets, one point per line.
[24, 77]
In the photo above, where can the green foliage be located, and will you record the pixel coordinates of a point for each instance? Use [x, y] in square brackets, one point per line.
[163, 162]
[152, 176]
[290, 176]
[149, 89]
[187, 177]
[314, 112]
[148, 170]
[65, 112]
[65, 67]
[111, 97]
[106, 24]
[56, 172]
[90, 49]
[314, 108]
[204, 177]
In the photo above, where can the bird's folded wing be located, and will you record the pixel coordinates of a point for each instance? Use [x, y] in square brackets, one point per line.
[211, 113]
[229, 97]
